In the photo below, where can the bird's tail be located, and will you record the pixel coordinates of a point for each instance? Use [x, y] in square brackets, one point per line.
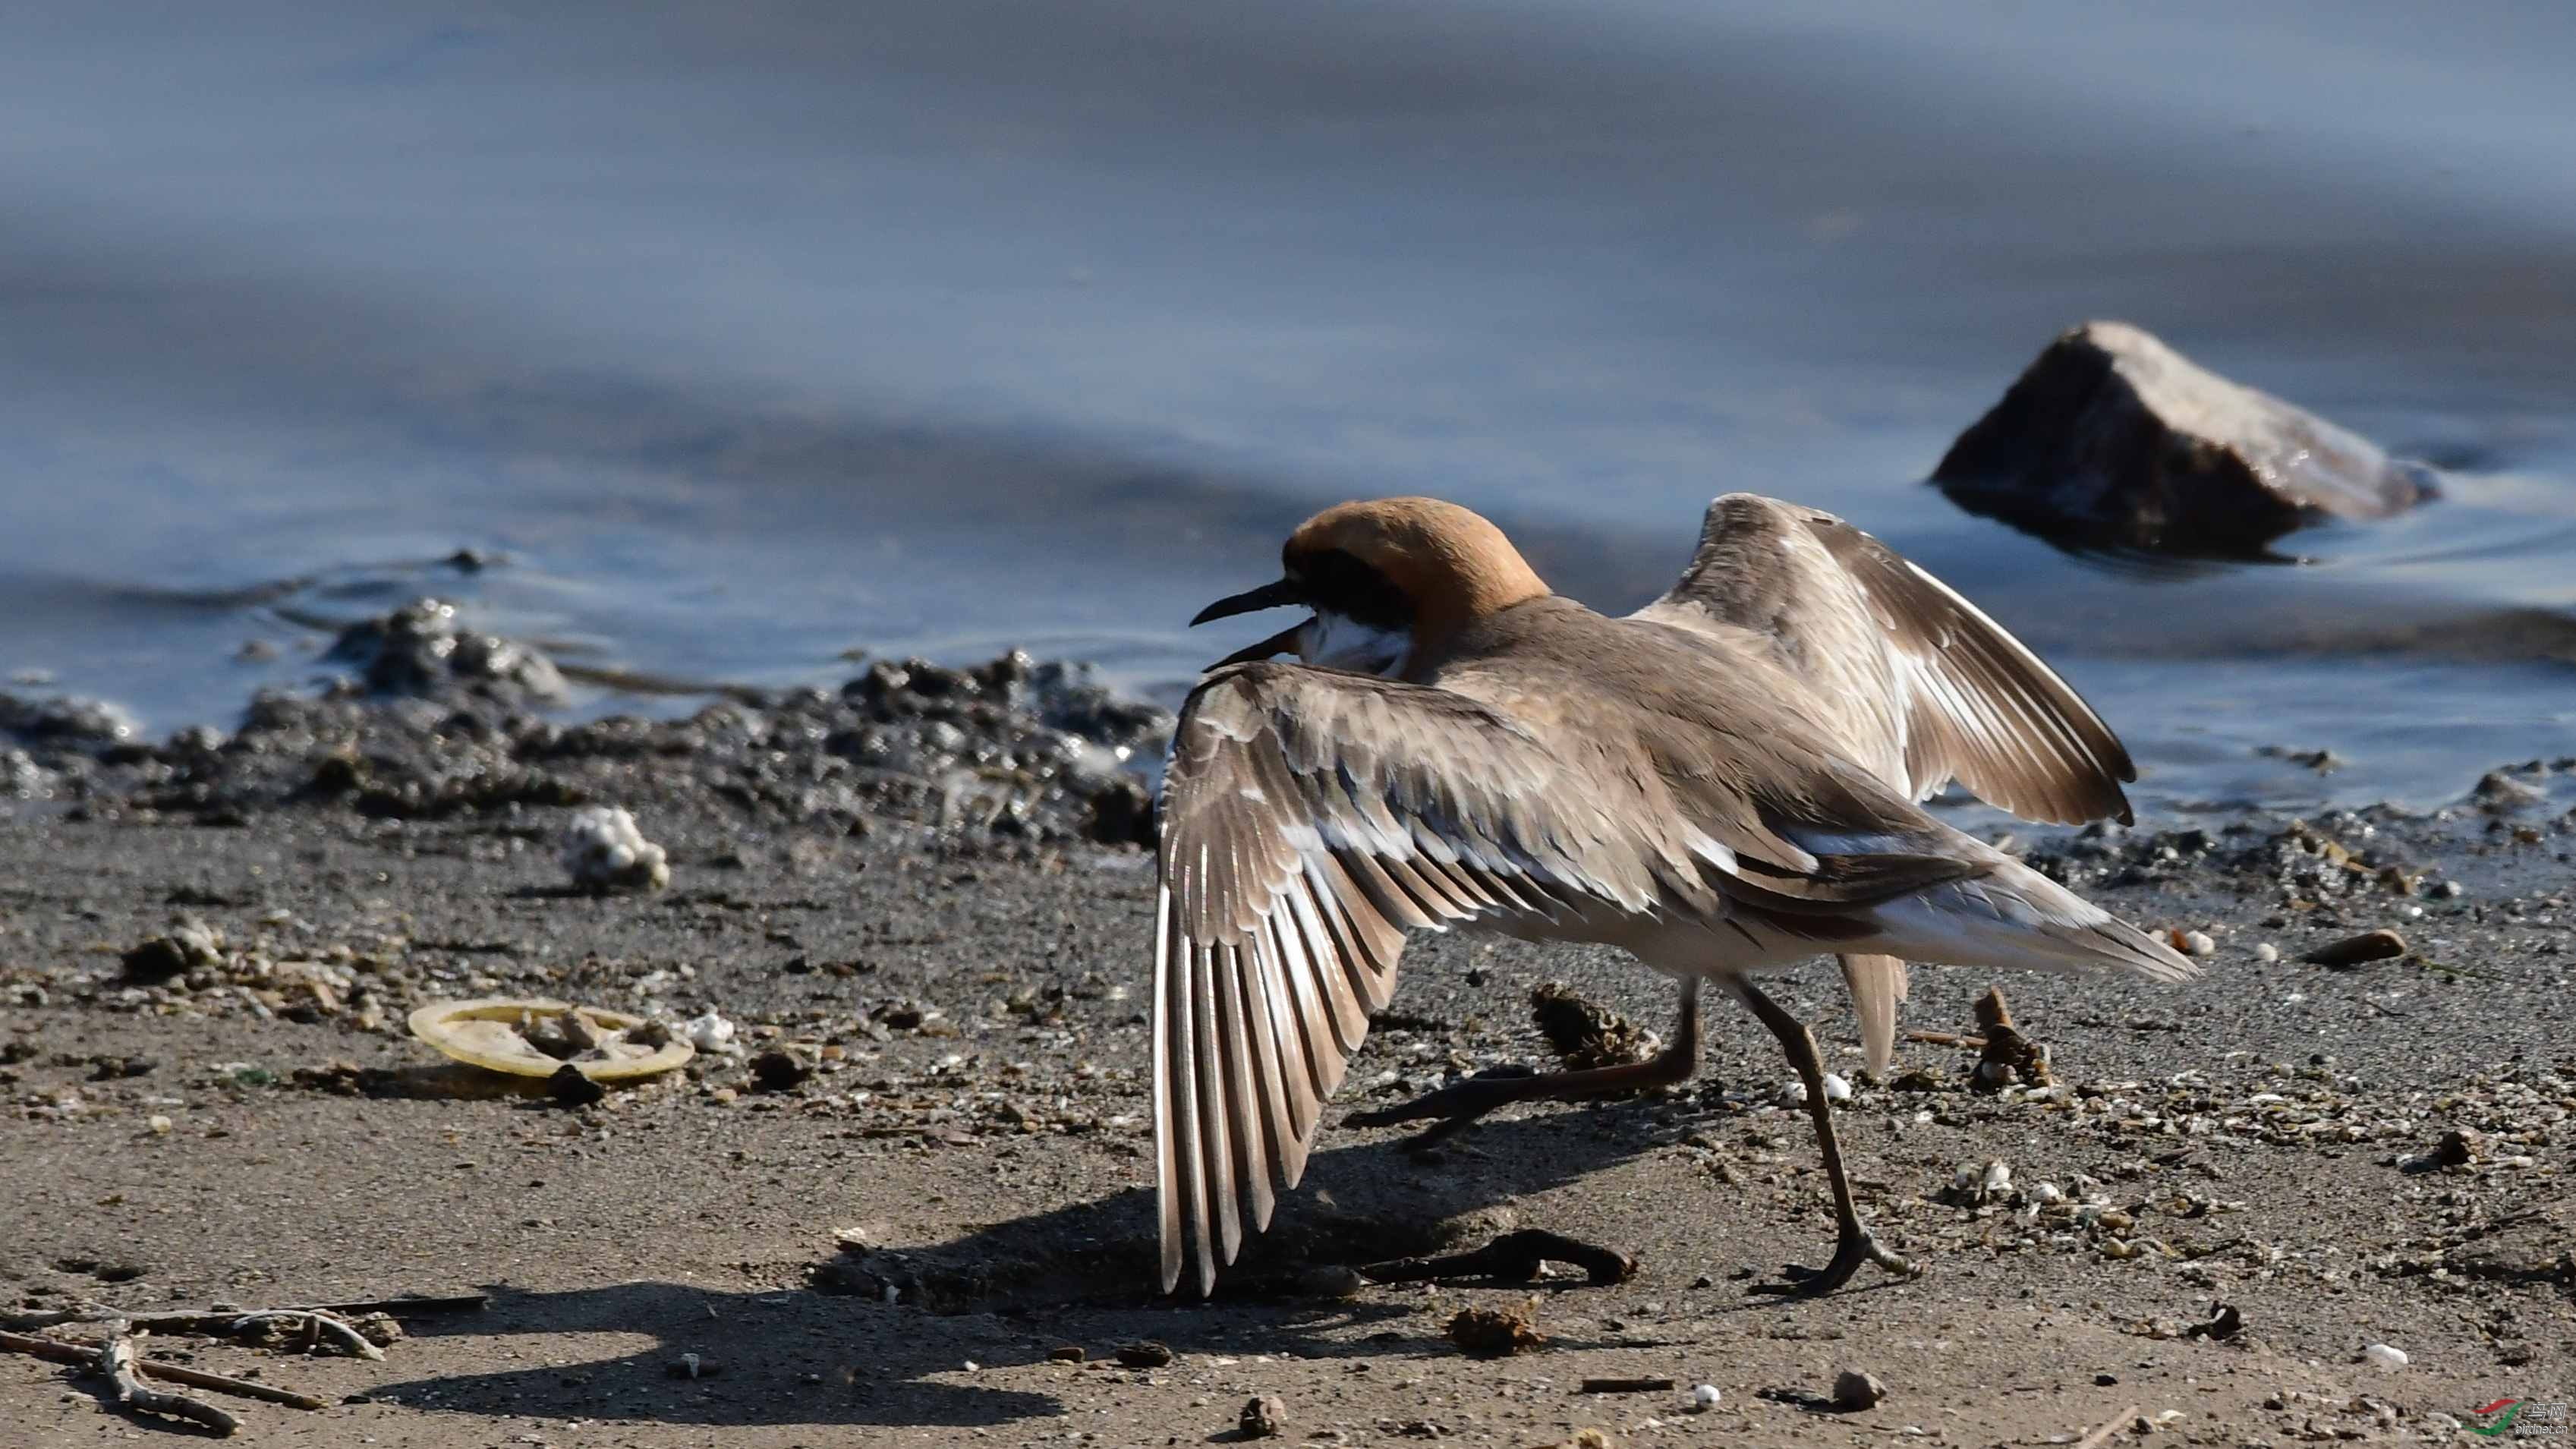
[2016, 917]
[1877, 988]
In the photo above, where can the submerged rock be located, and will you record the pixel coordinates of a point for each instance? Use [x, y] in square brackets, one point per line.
[2113, 440]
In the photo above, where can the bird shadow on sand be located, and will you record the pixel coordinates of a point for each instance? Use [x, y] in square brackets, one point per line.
[886, 1334]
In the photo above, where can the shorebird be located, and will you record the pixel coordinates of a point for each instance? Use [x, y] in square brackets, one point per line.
[1721, 784]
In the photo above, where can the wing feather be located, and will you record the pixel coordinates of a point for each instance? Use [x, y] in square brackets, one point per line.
[1310, 818]
[1869, 629]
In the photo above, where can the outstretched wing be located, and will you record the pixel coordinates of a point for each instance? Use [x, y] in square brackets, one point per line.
[1927, 688]
[1310, 817]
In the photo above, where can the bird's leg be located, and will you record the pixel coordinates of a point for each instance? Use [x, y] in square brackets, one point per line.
[1461, 1103]
[1854, 1245]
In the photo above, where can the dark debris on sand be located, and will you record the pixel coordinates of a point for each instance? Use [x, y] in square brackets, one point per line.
[443, 722]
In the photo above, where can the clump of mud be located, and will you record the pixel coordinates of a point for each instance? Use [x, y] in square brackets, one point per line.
[1585, 1034]
[1497, 1332]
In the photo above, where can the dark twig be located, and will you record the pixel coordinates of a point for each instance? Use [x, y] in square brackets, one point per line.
[1626, 1386]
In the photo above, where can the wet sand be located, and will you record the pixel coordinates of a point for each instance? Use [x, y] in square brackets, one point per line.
[968, 988]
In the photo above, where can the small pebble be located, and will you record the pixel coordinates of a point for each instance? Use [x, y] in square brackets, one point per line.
[1704, 1398]
[1997, 1180]
[779, 1070]
[1265, 1417]
[2384, 1358]
[1856, 1390]
[1145, 1353]
[573, 1087]
[2355, 950]
[159, 1125]
[1836, 1089]
[2267, 953]
[2199, 943]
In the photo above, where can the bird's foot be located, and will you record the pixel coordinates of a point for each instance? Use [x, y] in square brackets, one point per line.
[1857, 1247]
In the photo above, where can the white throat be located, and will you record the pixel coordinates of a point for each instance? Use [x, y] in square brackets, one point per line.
[1338, 641]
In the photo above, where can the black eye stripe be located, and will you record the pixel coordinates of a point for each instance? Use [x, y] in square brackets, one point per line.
[1336, 581]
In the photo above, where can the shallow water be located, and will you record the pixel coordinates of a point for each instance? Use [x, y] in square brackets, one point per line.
[747, 336]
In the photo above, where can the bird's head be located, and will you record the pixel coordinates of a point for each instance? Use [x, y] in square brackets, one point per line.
[1387, 579]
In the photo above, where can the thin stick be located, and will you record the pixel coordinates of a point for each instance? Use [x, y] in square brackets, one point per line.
[1653, 1385]
[116, 1359]
[2101, 1436]
[317, 1325]
[86, 1356]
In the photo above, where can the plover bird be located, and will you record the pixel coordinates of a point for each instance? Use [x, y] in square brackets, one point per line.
[1721, 784]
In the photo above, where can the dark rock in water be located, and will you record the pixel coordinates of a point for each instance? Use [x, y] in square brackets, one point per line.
[418, 652]
[2498, 793]
[65, 722]
[2112, 440]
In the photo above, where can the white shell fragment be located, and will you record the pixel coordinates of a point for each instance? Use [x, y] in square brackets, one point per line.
[1704, 1398]
[604, 851]
[1794, 1095]
[2384, 1358]
[709, 1031]
[1996, 1181]
[1836, 1089]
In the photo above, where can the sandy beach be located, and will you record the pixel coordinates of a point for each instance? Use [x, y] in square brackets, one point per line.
[906, 1228]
